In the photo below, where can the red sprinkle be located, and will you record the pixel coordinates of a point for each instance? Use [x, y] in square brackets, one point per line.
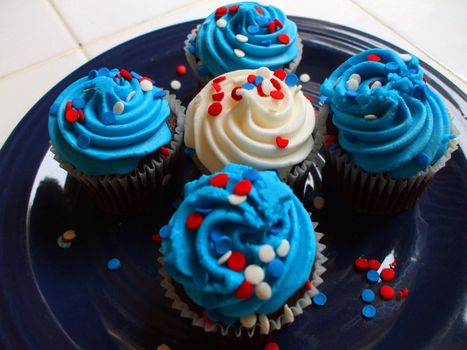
[373, 57]
[281, 142]
[126, 74]
[234, 8]
[243, 187]
[360, 264]
[218, 96]
[275, 83]
[164, 151]
[393, 264]
[219, 180]
[330, 140]
[386, 292]
[234, 95]
[400, 295]
[251, 78]
[156, 237]
[259, 87]
[280, 73]
[181, 69]
[308, 285]
[387, 275]
[283, 39]
[81, 115]
[405, 292]
[278, 95]
[145, 78]
[258, 9]
[220, 79]
[68, 106]
[221, 11]
[237, 261]
[215, 109]
[279, 23]
[71, 115]
[194, 220]
[271, 346]
[206, 319]
[374, 264]
[216, 86]
[244, 291]
[272, 27]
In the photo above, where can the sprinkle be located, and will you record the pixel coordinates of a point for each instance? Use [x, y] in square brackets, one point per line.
[391, 67]
[266, 253]
[253, 29]
[373, 57]
[130, 95]
[320, 299]
[251, 174]
[386, 292]
[248, 321]
[281, 142]
[271, 346]
[275, 83]
[352, 84]
[69, 235]
[276, 268]
[244, 291]
[163, 347]
[215, 109]
[372, 276]
[160, 94]
[271, 27]
[68, 106]
[370, 117]
[216, 86]
[92, 74]
[146, 84]
[387, 275]
[267, 87]
[236, 200]
[156, 237]
[375, 84]
[84, 141]
[369, 311]
[308, 285]
[254, 274]
[164, 231]
[223, 245]
[258, 80]
[126, 74]
[175, 85]
[234, 94]
[234, 8]
[218, 96]
[280, 73]
[305, 78]
[283, 249]
[448, 137]
[266, 43]
[251, 78]
[248, 86]
[221, 23]
[237, 261]
[243, 187]
[242, 38]
[103, 71]
[374, 264]
[258, 9]
[219, 79]
[283, 39]
[224, 257]
[239, 53]
[200, 278]
[357, 77]
[71, 115]
[108, 118]
[78, 102]
[260, 91]
[263, 291]
[219, 180]
[367, 295]
[119, 107]
[277, 95]
[279, 23]
[291, 79]
[194, 220]
[406, 57]
[423, 159]
[361, 264]
[221, 11]
[405, 292]
[113, 264]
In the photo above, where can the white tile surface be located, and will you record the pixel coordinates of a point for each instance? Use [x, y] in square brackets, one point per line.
[32, 84]
[435, 26]
[30, 31]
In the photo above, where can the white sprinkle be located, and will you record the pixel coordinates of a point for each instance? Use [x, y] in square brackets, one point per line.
[337, 81]
[304, 78]
[119, 107]
[248, 321]
[266, 253]
[352, 84]
[236, 200]
[283, 248]
[239, 53]
[264, 324]
[242, 38]
[318, 202]
[254, 274]
[146, 85]
[224, 257]
[289, 317]
[175, 84]
[87, 90]
[221, 23]
[376, 84]
[370, 117]
[263, 291]
[267, 87]
[356, 77]
[130, 96]
[406, 57]
[69, 235]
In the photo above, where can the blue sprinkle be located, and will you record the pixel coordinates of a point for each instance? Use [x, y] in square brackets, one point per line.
[367, 295]
[227, 320]
[192, 49]
[320, 299]
[372, 276]
[291, 79]
[276, 268]
[203, 210]
[189, 151]
[223, 245]
[164, 232]
[210, 301]
[203, 71]
[423, 159]
[84, 141]
[251, 174]
[351, 138]
[230, 185]
[266, 43]
[103, 72]
[322, 100]
[77, 102]
[369, 311]
[258, 79]
[92, 74]
[113, 264]
[200, 278]
[136, 75]
[159, 94]
[391, 67]
[248, 86]
[213, 315]
[448, 137]
[54, 108]
[253, 29]
[215, 235]
[108, 118]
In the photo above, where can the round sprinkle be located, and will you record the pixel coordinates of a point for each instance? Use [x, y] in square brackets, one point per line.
[406, 57]
[239, 52]
[386, 292]
[367, 295]
[281, 142]
[84, 141]
[219, 96]
[219, 180]
[254, 274]
[223, 245]
[243, 187]
[113, 264]
[175, 85]
[242, 38]
[181, 69]
[370, 117]
[373, 57]
[253, 29]
[163, 347]
[305, 78]
[251, 78]
[356, 77]
[165, 230]
[216, 234]
[318, 202]
[280, 73]
[277, 95]
[258, 79]
[283, 39]
[78, 102]
[146, 85]
[320, 299]
[291, 79]
[108, 118]
[251, 174]
[283, 248]
[200, 278]
[361, 264]
[263, 291]
[271, 346]
[215, 109]
[248, 321]
[194, 220]
[375, 84]
[69, 235]
[276, 268]
[71, 115]
[387, 275]
[391, 67]
[266, 253]
[244, 291]
[224, 257]
[423, 159]
[369, 311]
[92, 74]
[234, 94]
[221, 23]
[352, 84]
[372, 276]
[237, 261]
[374, 264]
[130, 96]
[119, 107]
[236, 200]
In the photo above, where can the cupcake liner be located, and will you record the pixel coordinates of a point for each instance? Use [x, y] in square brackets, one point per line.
[123, 193]
[264, 324]
[194, 63]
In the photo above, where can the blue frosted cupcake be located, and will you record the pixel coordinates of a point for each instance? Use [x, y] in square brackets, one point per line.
[118, 135]
[244, 35]
[241, 254]
[389, 131]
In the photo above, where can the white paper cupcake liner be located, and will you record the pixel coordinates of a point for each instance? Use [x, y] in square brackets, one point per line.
[195, 64]
[264, 324]
[123, 193]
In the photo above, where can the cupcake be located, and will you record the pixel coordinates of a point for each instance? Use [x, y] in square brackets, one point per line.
[258, 118]
[240, 255]
[389, 131]
[118, 135]
[245, 35]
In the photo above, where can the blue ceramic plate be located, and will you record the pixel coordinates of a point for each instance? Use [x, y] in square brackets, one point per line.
[52, 298]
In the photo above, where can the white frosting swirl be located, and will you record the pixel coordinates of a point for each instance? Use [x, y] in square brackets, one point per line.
[246, 131]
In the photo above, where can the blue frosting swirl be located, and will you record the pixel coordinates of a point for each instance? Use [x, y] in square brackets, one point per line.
[270, 216]
[215, 45]
[121, 122]
[406, 127]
